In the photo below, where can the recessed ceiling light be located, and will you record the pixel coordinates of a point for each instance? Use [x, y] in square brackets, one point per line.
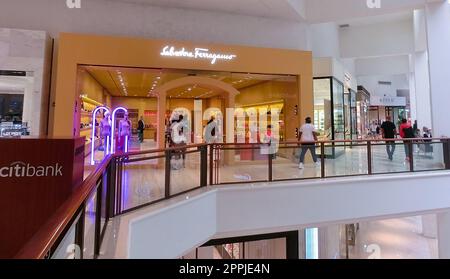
[158, 77]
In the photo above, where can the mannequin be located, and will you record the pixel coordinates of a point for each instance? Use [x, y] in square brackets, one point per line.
[105, 131]
[124, 133]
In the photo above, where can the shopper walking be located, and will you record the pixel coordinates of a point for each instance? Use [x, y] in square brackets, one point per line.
[407, 132]
[141, 127]
[388, 131]
[308, 139]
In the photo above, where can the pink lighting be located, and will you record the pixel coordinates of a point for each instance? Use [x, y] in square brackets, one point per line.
[113, 129]
[94, 115]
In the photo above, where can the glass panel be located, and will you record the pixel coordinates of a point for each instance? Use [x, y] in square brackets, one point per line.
[243, 165]
[347, 118]
[143, 182]
[266, 249]
[338, 110]
[89, 226]
[428, 156]
[322, 108]
[353, 116]
[286, 164]
[218, 252]
[67, 248]
[185, 172]
[104, 201]
[380, 158]
[349, 160]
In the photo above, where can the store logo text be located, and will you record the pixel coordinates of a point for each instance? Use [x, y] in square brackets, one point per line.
[198, 53]
[20, 169]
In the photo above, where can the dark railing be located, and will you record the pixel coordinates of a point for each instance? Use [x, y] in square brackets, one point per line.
[126, 182]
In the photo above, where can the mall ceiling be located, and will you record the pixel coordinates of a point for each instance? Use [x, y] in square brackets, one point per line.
[137, 82]
[313, 11]
[281, 9]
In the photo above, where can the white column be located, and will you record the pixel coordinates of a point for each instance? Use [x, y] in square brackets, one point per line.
[429, 226]
[443, 221]
[324, 40]
[422, 90]
[438, 33]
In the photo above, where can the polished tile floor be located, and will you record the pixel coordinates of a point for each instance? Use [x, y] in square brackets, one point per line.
[144, 181]
[396, 239]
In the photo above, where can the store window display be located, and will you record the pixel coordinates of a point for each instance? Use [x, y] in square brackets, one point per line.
[124, 133]
[11, 113]
[105, 131]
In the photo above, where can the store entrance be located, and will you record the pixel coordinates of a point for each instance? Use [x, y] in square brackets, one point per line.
[154, 98]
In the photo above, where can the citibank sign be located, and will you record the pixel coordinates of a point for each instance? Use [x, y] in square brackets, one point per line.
[21, 169]
[196, 53]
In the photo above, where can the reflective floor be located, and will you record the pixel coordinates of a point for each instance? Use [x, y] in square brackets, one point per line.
[394, 239]
[144, 181]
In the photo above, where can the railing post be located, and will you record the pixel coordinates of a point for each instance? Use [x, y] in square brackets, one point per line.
[203, 165]
[168, 154]
[119, 186]
[411, 155]
[211, 164]
[110, 190]
[79, 230]
[270, 167]
[322, 159]
[446, 150]
[98, 218]
[369, 157]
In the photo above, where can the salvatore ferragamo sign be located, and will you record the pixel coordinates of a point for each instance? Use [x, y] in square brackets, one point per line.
[196, 53]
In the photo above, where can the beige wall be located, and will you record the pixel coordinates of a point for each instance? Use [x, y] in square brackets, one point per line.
[92, 88]
[76, 49]
[140, 104]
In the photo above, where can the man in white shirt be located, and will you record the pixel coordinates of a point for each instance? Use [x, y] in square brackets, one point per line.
[308, 139]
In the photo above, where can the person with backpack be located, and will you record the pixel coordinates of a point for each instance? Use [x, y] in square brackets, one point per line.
[407, 132]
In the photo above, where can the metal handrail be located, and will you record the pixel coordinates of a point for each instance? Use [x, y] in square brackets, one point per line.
[48, 235]
[38, 246]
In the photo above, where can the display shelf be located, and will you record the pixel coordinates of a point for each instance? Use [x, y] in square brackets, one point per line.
[86, 113]
[91, 101]
[269, 106]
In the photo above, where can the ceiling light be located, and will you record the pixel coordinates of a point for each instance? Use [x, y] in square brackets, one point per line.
[158, 77]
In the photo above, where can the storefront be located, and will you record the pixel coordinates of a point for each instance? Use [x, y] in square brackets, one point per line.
[154, 79]
[24, 82]
[384, 106]
[362, 112]
[334, 89]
